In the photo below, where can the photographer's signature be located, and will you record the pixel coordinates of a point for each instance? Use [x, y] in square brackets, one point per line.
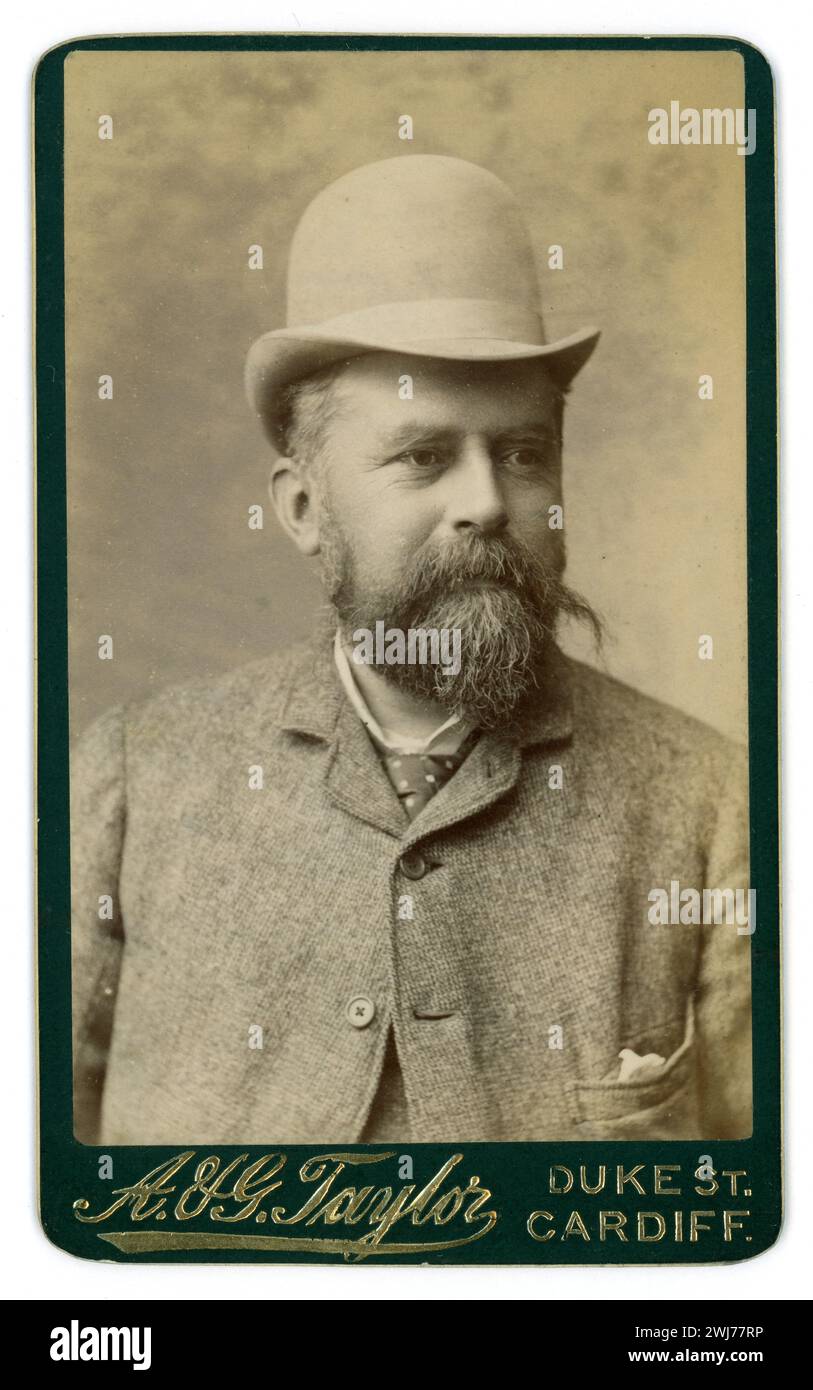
[225, 1194]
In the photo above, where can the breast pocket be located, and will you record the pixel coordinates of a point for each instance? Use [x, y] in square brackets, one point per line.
[660, 1104]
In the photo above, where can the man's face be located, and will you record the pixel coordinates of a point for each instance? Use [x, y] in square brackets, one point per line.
[473, 453]
[435, 512]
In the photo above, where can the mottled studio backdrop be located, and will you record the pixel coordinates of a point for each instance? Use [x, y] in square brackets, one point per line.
[215, 152]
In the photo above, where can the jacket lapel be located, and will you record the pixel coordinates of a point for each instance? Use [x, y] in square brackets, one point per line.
[317, 707]
[357, 782]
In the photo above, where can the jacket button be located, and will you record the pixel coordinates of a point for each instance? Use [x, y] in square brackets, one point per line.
[360, 1011]
[413, 865]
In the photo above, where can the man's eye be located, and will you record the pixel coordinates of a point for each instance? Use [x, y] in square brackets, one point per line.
[422, 458]
[524, 458]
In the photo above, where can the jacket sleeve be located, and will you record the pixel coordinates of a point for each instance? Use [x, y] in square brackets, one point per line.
[723, 997]
[97, 934]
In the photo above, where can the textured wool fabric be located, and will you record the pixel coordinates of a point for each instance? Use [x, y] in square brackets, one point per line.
[416, 777]
[502, 935]
[388, 1120]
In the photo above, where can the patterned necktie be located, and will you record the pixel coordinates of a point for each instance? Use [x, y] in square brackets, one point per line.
[417, 777]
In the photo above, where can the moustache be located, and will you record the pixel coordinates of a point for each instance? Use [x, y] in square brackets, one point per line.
[459, 564]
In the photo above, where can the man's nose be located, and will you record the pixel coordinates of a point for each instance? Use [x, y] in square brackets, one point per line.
[476, 500]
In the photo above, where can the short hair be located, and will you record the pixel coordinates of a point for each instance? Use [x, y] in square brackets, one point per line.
[306, 408]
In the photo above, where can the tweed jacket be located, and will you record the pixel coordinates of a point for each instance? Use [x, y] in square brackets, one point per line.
[242, 871]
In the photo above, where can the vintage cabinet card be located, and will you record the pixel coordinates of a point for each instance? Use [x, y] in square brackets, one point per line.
[407, 713]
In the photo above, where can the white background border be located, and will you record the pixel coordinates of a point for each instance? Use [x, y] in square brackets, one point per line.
[32, 1267]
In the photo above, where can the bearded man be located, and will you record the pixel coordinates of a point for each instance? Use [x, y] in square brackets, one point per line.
[359, 902]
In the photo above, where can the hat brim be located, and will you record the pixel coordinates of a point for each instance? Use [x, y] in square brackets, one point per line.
[285, 355]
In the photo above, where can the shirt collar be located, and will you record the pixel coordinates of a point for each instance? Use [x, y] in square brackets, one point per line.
[455, 728]
[312, 696]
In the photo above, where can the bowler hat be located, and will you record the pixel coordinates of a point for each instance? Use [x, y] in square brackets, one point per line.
[423, 255]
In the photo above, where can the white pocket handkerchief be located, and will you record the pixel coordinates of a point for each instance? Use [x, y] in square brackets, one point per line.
[632, 1064]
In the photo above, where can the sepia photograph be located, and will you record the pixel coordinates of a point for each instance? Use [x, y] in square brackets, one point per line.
[408, 596]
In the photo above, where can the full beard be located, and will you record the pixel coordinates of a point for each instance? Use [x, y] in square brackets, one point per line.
[506, 602]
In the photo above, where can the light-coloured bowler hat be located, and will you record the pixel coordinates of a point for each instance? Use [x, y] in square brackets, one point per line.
[422, 254]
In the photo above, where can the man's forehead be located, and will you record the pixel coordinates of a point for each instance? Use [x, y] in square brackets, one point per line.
[395, 390]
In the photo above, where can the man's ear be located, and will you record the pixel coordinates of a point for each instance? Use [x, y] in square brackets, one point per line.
[292, 491]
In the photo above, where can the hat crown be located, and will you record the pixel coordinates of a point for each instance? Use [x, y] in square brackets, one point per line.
[416, 227]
